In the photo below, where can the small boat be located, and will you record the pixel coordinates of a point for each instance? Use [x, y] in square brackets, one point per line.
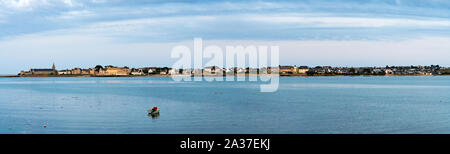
[153, 110]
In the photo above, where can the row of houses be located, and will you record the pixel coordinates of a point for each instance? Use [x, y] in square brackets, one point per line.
[121, 71]
[98, 70]
[388, 70]
[214, 70]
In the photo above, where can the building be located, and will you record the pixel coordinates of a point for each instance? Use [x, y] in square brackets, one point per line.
[187, 71]
[25, 73]
[303, 69]
[229, 71]
[164, 71]
[64, 72]
[212, 70]
[288, 69]
[263, 70]
[137, 71]
[39, 71]
[76, 71]
[99, 70]
[272, 70]
[388, 71]
[113, 70]
[253, 71]
[152, 70]
[42, 72]
[240, 70]
[89, 71]
[175, 71]
[197, 72]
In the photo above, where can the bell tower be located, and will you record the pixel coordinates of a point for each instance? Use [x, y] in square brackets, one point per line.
[53, 67]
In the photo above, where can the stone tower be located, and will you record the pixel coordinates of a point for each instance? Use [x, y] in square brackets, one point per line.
[53, 67]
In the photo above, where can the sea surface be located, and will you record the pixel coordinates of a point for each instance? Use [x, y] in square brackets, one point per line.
[301, 105]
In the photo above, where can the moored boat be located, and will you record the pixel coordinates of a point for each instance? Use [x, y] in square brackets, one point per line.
[153, 110]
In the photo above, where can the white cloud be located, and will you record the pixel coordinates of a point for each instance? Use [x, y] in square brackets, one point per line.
[333, 21]
[145, 26]
[32, 4]
[306, 20]
[68, 2]
[19, 4]
[74, 15]
[99, 1]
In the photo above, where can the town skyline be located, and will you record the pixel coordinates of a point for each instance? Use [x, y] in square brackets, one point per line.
[110, 70]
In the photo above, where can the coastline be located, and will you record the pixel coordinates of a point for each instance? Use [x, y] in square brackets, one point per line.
[163, 75]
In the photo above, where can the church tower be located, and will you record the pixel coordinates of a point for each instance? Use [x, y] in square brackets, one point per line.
[53, 67]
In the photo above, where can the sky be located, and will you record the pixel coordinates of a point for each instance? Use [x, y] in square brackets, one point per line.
[139, 33]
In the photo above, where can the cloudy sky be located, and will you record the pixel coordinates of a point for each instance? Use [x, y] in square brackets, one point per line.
[83, 33]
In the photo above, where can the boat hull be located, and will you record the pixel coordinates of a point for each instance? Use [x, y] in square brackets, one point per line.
[153, 111]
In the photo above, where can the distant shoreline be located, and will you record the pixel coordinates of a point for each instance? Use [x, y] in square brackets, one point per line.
[163, 75]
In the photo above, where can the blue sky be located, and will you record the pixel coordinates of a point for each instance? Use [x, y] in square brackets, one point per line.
[83, 33]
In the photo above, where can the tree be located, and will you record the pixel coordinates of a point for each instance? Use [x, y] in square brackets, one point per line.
[98, 67]
[352, 70]
[310, 72]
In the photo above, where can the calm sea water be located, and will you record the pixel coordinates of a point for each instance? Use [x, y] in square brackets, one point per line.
[301, 105]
